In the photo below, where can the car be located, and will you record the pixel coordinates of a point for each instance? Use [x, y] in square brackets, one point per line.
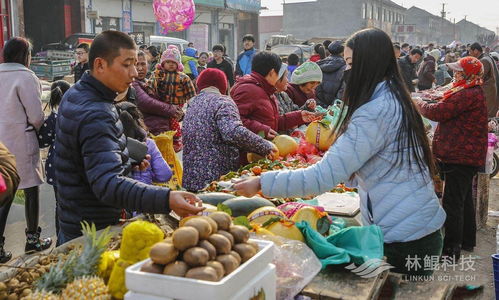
[162, 42]
[303, 51]
[70, 43]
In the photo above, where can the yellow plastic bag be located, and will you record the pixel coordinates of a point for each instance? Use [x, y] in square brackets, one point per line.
[164, 141]
[138, 238]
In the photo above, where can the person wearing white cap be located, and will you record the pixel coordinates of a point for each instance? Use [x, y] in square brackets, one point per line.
[305, 79]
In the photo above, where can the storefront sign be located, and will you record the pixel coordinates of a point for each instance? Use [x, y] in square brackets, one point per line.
[213, 3]
[246, 5]
[127, 21]
[138, 37]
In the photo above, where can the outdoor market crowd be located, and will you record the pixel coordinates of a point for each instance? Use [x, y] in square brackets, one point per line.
[125, 95]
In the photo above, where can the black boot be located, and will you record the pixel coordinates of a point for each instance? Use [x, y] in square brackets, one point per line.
[5, 256]
[34, 243]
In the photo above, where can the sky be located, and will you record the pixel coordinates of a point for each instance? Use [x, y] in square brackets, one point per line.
[482, 12]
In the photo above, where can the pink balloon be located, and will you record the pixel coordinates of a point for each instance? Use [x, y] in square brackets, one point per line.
[174, 15]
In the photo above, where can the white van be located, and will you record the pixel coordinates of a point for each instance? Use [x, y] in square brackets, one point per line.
[162, 42]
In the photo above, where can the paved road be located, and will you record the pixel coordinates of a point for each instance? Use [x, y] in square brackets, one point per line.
[15, 237]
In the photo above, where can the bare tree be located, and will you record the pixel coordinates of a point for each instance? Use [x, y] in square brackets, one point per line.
[486, 39]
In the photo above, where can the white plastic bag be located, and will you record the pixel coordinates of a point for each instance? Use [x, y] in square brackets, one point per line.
[296, 265]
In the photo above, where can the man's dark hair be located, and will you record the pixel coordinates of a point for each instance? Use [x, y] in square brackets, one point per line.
[326, 43]
[396, 46]
[218, 47]
[416, 51]
[143, 47]
[249, 37]
[83, 46]
[17, 50]
[405, 45]
[153, 50]
[264, 62]
[107, 45]
[431, 45]
[141, 53]
[293, 59]
[476, 46]
[190, 44]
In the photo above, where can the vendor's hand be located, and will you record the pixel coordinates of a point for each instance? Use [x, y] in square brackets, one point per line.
[309, 117]
[143, 165]
[248, 187]
[311, 104]
[185, 204]
[274, 153]
[179, 113]
[271, 134]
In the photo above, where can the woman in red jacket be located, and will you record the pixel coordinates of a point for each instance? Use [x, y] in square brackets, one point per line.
[257, 104]
[460, 145]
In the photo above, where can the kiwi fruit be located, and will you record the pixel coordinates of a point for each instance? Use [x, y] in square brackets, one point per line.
[163, 253]
[246, 251]
[196, 256]
[240, 233]
[213, 224]
[254, 245]
[202, 273]
[229, 263]
[222, 219]
[185, 237]
[150, 267]
[218, 267]
[206, 245]
[176, 268]
[236, 255]
[221, 243]
[201, 225]
[227, 235]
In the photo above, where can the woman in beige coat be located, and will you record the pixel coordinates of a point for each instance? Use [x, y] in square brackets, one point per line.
[20, 118]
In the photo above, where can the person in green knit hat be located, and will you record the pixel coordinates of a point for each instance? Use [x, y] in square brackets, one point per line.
[304, 81]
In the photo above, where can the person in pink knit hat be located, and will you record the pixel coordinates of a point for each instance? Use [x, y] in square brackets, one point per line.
[170, 85]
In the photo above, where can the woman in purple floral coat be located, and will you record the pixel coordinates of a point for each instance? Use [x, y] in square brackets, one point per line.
[214, 134]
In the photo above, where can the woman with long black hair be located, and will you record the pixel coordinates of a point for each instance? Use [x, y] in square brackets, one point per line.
[383, 146]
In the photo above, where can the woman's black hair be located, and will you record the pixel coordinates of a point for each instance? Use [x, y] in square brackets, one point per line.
[263, 62]
[369, 68]
[203, 53]
[17, 50]
[132, 120]
[57, 90]
[319, 49]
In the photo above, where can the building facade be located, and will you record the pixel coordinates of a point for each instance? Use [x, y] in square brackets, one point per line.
[338, 18]
[429, 28]
[216, 21]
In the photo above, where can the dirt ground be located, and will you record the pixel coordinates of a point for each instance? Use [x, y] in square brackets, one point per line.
[479, 269]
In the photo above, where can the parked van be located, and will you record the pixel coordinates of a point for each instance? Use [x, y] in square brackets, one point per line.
[162, 42]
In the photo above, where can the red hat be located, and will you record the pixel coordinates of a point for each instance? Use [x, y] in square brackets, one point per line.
[212, 77]
[468, 65]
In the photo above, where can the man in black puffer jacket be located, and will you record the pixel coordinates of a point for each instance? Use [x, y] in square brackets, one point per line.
[332, 68]
[91, 161]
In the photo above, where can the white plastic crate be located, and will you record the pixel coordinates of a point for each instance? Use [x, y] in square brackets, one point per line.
[264, 283]
[171, 287]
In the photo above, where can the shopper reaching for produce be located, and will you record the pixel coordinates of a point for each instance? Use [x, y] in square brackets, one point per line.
[382, 145]
[91, 161]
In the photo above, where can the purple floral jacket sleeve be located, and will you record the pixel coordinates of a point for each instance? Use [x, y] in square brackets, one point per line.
[233, 131]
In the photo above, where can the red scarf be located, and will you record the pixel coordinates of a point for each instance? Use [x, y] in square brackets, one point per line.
[460, 85]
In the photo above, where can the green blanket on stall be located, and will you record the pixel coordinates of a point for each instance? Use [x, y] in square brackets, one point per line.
[356, 244]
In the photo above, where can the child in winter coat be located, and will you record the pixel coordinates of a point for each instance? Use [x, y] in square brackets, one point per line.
[46, 136]
[134, 127]
[190, 62]
[170, 85]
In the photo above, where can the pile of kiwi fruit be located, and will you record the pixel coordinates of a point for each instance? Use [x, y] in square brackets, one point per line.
[204, 247]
